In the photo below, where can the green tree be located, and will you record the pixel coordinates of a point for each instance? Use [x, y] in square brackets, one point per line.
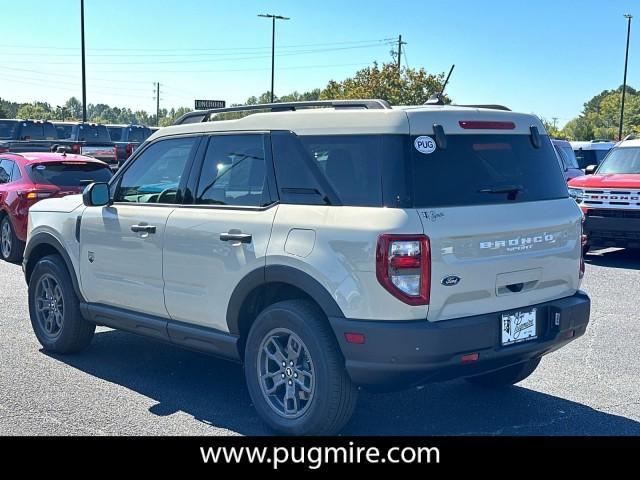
[601, 116]
[74, 108]
[407, 87]
[36, 111]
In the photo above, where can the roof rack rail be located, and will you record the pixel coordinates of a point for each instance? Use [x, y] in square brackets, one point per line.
[488, 106]
[199, 116]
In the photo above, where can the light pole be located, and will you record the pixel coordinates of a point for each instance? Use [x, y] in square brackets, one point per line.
[84, 73]
[624, 82]
[273, 44]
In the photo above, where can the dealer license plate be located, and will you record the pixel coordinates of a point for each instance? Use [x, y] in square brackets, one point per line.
[519, 327]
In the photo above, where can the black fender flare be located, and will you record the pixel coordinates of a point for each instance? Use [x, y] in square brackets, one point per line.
[278, 274]
[44, 238]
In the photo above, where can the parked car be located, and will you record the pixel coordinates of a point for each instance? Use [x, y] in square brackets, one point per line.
[127, 138]
[27, 135]
[610, 198]
[567, 157]
[591, 153]
[350, 244]
[30, 177]
[93, 140]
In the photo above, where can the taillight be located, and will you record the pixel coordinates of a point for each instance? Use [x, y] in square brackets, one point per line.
[403, 267]
[129, 149]
[76, 148]
[4, 149]
[583, 244]
[35, 195]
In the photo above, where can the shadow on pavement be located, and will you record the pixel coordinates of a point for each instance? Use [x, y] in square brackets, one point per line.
[619, 258]
[213, 391]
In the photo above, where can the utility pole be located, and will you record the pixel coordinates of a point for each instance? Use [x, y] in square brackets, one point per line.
[624, 82]
[84, 65]
[273, 44]
[555, 122]
[157, 95]
[400, 44]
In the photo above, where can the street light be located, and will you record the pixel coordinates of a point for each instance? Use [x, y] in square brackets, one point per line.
[84, 67]
[624, 82]
[273, 44]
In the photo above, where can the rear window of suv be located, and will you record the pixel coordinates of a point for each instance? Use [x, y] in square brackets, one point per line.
[487, 169]
[93, 133]
[68, 174]
[8, 129]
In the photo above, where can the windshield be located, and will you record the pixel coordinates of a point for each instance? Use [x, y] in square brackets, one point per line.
[487, 169]
[69, 174]
[621, 160]
[8, 129]
[93, 133]
[568, 157]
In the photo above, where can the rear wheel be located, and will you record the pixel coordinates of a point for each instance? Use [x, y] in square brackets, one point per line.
[506, 376]
[295, 371]
[55, 310]
[11, 248]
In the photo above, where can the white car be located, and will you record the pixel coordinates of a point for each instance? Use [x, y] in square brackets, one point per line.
[326, 245]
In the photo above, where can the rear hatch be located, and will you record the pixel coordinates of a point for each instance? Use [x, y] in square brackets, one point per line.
[97, 143]
[494, 203]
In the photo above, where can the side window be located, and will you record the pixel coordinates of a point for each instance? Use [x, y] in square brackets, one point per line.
[5, 171]
[16, 175]
[233, 172]
[154, 176]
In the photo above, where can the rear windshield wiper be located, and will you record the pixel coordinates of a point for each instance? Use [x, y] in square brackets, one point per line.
[511, 190]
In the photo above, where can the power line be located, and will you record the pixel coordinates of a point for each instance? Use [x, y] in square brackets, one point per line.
[49, 47]
[205, 60]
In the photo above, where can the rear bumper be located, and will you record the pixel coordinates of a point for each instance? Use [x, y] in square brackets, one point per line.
[403, 353]
[617, 229]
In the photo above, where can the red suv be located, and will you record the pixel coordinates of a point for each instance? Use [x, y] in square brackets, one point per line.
[29, 177]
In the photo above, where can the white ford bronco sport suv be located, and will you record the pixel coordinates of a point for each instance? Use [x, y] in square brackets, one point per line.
[326, 245]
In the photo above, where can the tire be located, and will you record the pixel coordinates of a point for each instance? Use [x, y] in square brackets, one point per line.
[11, 248]
[59, 326]
[330, 397]
[506, 376]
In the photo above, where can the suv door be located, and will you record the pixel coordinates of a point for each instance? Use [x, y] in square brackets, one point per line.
[222, 235]
[121, 244]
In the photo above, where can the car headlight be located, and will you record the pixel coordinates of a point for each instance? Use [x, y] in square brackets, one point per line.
[577, 194]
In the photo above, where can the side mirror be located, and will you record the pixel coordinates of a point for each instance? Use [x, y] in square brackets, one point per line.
[591, 169]
[96, 195]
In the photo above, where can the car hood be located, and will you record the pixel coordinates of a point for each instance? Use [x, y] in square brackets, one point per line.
[61, 205]
[607, 181]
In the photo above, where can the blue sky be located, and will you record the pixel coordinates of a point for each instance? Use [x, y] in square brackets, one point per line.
[546, 57]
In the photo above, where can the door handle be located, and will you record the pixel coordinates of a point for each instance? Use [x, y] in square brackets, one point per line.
[236, 237]
[143, 229]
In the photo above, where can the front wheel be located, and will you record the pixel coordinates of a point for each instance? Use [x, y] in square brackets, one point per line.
[295, 372]
[506, 376]
[55, 310]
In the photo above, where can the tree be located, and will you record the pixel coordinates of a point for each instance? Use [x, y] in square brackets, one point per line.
[74, 108]
[3, 114]
[407, 87]
[601, 116]
[551, 129]
[36, 111]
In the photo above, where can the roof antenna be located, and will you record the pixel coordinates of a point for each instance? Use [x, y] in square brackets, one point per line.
[438, 98]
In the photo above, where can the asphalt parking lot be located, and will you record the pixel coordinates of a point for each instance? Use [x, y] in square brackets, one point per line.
[127, 385]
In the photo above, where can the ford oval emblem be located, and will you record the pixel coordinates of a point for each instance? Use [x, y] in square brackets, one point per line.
[450, 281]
